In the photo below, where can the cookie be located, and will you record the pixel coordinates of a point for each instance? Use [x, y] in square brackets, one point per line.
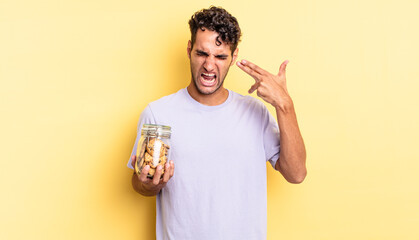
[154, 149]
[141, 148]
[148, 159]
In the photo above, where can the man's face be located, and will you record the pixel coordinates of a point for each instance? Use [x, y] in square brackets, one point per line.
[209, 62]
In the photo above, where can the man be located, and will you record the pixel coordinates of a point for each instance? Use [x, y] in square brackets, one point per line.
[221, 141]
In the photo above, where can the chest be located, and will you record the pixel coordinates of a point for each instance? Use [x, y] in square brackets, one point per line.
[208, 142]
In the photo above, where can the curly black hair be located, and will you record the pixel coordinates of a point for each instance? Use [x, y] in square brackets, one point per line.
[219, 20]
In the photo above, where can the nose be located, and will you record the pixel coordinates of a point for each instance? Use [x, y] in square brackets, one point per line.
[209, 64]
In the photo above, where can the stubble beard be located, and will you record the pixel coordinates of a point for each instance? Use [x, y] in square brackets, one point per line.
[206, 93]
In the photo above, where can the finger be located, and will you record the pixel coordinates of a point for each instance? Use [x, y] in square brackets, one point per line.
[157, 175]
[253, 87]
[253, 66]
[172, 168]
[166, 174]
[249, 71]
[133, 161]
[283, 67]
[144, 173]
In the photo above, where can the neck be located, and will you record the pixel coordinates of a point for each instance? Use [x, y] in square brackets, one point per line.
[213, 99]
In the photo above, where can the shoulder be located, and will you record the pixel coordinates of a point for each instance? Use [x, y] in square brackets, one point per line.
[163, 109]
[168, 101]
[248, 102]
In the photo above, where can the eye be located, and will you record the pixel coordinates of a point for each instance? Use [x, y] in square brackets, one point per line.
[200, 53]
[222, 57]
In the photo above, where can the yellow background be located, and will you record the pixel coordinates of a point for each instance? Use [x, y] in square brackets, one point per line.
[75, 75]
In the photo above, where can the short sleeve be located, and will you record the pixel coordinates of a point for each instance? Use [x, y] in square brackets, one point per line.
[271, 141]
[146, 117]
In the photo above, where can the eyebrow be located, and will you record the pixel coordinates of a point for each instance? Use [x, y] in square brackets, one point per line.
[206, 54]
[202, 52]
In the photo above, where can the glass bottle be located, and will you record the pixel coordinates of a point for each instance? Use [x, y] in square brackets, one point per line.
[153, 148]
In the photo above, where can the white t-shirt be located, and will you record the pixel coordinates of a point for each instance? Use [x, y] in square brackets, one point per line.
[218, 190]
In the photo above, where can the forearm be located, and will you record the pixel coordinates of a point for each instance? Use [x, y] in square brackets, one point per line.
[292, 158]
[141, 189]
[273, 89]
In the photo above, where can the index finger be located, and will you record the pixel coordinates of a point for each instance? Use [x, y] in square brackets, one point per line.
[144, 172]
[253, 66]
[249, 70]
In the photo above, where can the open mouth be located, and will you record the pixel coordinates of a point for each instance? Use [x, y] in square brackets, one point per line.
[208, 79]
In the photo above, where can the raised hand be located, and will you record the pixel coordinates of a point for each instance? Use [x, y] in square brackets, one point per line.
[271, 88]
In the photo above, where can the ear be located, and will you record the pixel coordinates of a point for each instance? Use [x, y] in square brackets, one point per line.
[235, 55]
[189, 49]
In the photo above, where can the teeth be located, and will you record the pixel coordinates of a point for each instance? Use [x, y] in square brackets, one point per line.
[209, 75]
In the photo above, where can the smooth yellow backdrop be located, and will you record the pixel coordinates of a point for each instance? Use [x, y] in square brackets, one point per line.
[75, 75]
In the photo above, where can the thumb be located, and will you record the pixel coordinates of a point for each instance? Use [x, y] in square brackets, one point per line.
[283, 67]
[133, 161]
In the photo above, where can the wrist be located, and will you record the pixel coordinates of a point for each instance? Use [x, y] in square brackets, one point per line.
[284, 106]
[149, 191]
